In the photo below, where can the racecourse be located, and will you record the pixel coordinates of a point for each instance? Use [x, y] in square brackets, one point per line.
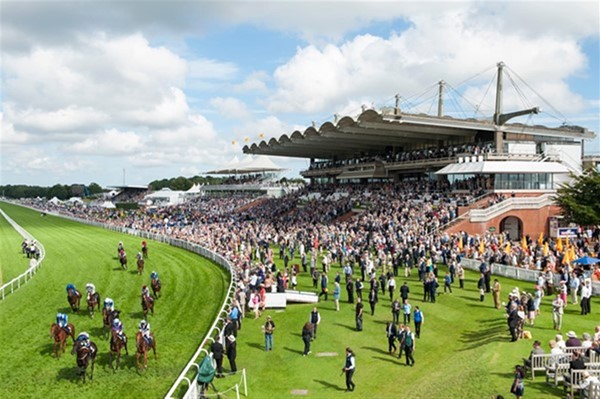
[464, 352]
[12, 261]
[193, 291]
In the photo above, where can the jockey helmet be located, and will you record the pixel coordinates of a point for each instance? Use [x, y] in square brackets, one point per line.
[144, 287]
[143, 324]
[116, 322]
[83, 336]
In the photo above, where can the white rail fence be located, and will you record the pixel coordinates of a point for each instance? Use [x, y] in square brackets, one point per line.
[193, 389]
[22, 279]
[517, 273]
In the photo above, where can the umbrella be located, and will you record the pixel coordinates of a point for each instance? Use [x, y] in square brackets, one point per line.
[587, 260]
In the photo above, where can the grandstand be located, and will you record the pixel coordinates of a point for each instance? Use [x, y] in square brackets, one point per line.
[488, 157]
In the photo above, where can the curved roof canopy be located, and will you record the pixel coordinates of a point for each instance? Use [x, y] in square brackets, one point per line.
[372, 131]
[258, 164]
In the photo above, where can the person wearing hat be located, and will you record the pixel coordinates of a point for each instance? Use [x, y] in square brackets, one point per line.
[537, 350]
[587, 341]
[572, 339]
[587, 380]
[558, 309]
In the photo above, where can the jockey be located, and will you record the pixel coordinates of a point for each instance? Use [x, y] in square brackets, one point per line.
[144, 329]
[109, 304]
[139, 255]
[84, 340]
[145, 291]
[117, 327]
[71, 287]
[63, 322]
[91, 290]
[120, 247]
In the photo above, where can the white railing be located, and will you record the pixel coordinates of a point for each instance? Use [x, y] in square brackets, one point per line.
[193, 387]
[16, 282]
[517, 273]
[483, 215]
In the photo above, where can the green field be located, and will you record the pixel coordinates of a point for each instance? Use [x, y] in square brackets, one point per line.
[193, 291]
[464, 351]
[12, 261]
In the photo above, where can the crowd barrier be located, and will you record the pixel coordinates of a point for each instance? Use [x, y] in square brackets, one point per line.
[517, 273]
[16, 282]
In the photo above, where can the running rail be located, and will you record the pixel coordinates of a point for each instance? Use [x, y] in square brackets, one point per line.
[9, 287]
[197, 249]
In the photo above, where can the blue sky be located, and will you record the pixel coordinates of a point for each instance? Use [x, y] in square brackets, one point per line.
[163, 89]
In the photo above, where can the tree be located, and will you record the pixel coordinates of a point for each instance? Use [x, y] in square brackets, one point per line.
[579, 199]
[95, 188]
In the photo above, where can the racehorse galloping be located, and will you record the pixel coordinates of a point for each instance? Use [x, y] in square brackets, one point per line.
[93, 301]
[74, 297]
[108, 316]
[155, 284]
[147, 305]
[60, 337]
[140, 263]
[85, 355]
[123, 259]
[117, 343]
[143, 347]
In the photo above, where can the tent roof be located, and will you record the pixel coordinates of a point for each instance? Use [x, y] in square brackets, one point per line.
[257, 164]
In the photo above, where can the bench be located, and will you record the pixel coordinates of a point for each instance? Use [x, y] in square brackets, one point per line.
[593, 392]
[539, 362]
[557, 374]
[573, 349]
[576, 378]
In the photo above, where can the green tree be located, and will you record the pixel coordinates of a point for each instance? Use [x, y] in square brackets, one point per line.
[579, 198]
[94, 188]
[59, 191]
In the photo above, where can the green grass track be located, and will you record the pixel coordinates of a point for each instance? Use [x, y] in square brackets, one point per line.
[12, 261]
[193, 291]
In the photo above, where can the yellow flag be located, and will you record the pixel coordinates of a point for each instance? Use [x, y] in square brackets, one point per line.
[524, 243]
[572, 253]
[559, 245]
[501, 240]
[507, 248]
[460, 243]
[541, 239]
[566, 258]
[546, 249]
[481, 247]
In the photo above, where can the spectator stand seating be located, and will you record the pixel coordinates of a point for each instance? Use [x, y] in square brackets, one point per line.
[539, 362]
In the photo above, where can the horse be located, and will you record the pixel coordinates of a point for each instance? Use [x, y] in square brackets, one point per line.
[144, 249]
[108, 317]
[60, 337]
[155, 284]
[117, 342]
[93, 301]
[85, 355]
[143, 346]
[140, 264]
[147, 305]
[74, 297]
[123, 260]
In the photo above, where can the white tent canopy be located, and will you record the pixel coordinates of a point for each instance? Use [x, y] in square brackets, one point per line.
[502, 167]
[258, 164]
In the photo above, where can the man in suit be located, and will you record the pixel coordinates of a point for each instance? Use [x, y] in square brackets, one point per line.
[231, 348]
[391, 332]
[217, 350]
[359, 315]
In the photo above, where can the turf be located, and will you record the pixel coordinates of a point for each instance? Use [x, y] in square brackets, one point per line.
[193, 291]
[464, 350]
[12, 261]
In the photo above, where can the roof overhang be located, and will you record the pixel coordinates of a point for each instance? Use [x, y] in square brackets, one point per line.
[489, 167]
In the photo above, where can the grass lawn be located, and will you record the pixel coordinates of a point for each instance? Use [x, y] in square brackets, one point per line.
[193, 291]
[464, 350]
[12, 261]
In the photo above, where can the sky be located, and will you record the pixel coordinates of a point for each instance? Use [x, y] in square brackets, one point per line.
[116, 92]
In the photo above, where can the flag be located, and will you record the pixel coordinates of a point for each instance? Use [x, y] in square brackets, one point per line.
[541, 239]
[566, 258]
[559, 246]
[507, 248]
[546, 249]
[481, 247]
[524, 243]
[460, 243]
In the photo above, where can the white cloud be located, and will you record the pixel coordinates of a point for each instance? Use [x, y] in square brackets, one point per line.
[256, 82]
[231, 108]
[108, 143]
[370, 69]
